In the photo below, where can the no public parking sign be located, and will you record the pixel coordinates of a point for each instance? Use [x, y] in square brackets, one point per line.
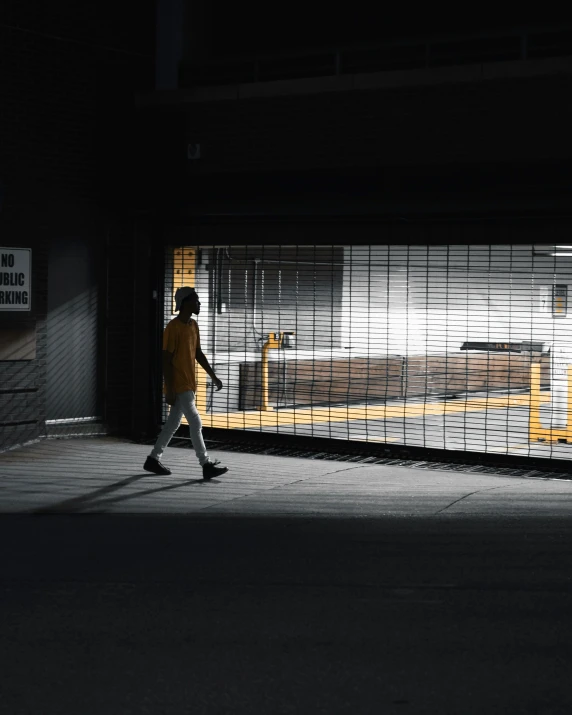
[15, 279]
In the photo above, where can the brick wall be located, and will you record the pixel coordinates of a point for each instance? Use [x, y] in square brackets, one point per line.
[59, 96]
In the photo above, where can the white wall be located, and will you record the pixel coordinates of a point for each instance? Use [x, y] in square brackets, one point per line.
[419, 299]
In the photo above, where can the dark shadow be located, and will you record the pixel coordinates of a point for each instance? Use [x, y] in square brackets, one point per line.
[92, 500]
[125, 497]
[76, 503]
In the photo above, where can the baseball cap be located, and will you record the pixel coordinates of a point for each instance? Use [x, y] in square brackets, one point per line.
[181, 294]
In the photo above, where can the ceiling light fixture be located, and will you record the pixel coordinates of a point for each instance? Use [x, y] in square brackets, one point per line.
[554, 252]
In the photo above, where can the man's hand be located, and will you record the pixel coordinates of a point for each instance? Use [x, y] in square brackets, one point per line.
[217, 383]
[170, 398]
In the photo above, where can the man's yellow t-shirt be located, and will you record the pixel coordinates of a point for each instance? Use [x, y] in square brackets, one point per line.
[182, 340]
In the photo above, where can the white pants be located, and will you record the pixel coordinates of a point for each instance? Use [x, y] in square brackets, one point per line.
[184, 405]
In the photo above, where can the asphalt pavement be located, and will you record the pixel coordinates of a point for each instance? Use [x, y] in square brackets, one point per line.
[286, 586]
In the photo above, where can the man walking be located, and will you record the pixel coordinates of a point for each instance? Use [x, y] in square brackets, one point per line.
[181, 346]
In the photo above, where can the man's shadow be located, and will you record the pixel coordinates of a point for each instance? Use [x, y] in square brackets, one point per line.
[86, 501]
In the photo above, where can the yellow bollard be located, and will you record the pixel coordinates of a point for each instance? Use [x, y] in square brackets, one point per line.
[536, 431]
[569, 406]
[271, 343]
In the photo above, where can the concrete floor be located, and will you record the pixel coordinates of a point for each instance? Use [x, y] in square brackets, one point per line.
[105, 475]
[286, 586]
[499, 431]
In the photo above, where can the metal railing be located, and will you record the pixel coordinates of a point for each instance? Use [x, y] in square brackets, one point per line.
[512, 44]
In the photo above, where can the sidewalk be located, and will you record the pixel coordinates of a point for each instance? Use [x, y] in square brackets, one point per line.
[105, 475]
[368, 588]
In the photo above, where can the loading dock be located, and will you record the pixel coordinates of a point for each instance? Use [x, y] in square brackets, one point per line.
[445, 346]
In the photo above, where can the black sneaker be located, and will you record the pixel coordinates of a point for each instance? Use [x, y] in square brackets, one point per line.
[210, 470]
[155, 466]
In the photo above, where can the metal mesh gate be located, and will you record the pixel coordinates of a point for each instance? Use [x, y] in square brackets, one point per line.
[451, 347]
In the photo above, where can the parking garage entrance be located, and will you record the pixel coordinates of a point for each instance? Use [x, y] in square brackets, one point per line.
[456, 347]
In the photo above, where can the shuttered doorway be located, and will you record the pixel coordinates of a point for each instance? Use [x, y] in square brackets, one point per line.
[450, 347]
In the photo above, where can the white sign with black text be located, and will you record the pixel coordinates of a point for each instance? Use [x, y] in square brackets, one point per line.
[15, 279]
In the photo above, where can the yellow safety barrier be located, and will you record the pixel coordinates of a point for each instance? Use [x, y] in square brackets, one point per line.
[273, 343]
[401, 410]
[538, 433]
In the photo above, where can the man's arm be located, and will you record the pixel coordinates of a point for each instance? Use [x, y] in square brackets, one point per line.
[204, 363]
[168, 376]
